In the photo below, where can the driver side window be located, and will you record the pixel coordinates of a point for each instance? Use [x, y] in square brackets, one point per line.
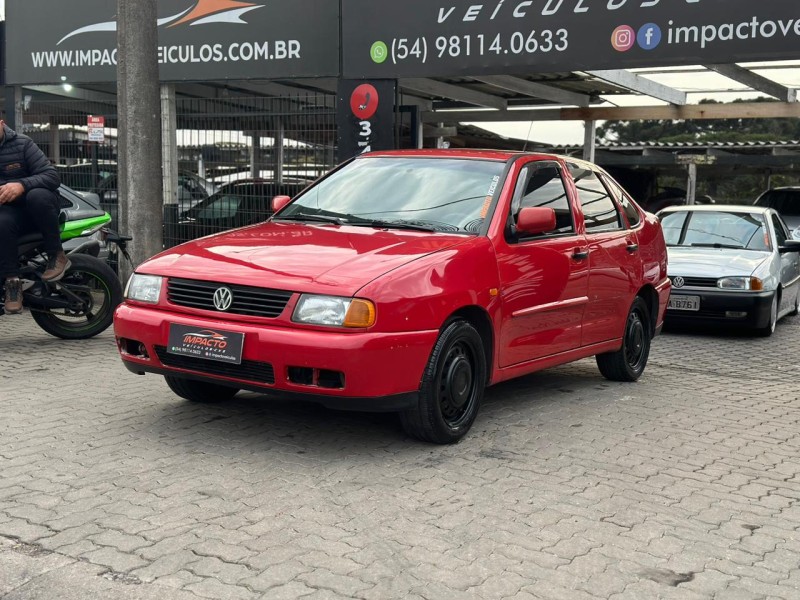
[540, 185]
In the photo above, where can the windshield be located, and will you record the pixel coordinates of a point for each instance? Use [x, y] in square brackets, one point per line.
[220, 206]
[717, 229]
[786, 202]
[434, 194]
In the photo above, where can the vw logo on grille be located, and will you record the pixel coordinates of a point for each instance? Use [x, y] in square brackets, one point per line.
[678, 282]
[223, 298]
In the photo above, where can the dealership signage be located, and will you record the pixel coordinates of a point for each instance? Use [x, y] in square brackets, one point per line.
[365, 117]
[76, 42]
[416, 38]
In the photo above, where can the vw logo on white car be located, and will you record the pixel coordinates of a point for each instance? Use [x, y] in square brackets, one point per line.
[223, 298]
[678, 282]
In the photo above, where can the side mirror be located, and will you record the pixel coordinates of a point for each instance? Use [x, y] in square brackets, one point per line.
[789, 246]
[278, 202]
[535, 220]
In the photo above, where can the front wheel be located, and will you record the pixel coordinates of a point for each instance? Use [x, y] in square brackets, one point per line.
[769, 328]
[93, 291]
[628, 363]
[452, 387]
[199, 391]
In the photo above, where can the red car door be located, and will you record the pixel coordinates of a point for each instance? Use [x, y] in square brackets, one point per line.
[543, 278]
[615, 271]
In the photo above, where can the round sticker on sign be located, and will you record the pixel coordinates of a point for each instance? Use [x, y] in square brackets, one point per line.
[364, 101]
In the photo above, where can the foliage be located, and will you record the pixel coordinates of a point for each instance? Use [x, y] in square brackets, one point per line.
[711, 130]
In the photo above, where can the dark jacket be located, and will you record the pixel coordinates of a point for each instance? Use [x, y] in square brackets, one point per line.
[21, 160]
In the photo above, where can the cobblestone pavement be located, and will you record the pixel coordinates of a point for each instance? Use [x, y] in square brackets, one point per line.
[685, 485]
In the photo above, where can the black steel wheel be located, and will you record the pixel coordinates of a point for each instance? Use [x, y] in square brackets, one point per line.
[199, 391]
[452, 387]
[628, 363]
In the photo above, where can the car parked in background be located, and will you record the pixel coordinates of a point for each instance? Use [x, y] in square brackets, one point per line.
[103, 182]
[235, 205]
[734, 265]
[408, 281]
[785, 200]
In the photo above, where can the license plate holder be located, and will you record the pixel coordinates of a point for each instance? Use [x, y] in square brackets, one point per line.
[688, 303]
[207, 344]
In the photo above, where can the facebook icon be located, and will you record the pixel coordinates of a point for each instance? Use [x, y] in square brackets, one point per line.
[649, 36]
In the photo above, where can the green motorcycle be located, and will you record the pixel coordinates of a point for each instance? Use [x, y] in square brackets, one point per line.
[81, 304]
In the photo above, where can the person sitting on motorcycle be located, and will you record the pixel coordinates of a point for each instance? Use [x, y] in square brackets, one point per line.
[29, 202]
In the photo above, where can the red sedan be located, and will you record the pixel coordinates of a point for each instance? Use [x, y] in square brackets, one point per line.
[408, 281]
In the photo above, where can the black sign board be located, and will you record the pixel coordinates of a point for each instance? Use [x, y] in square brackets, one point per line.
[74, 41]
[417, 38]
[365, 116]
[218, 345]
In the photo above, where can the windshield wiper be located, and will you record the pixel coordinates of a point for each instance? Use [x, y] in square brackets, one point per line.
[313, 218]
[391, 225]
[717, 245]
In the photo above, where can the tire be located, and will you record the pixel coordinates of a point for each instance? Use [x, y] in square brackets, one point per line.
[93, 281]
[199, 391]
[628, 363]
[769, 329]
[452, 387]
[796, 310]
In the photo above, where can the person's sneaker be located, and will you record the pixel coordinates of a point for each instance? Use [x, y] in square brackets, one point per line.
[13, 303]
[56, 265]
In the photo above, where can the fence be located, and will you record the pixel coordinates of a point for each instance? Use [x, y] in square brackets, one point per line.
[235, 153]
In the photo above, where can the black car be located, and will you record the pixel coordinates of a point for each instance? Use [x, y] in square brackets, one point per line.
[236, 204]
[785, 200]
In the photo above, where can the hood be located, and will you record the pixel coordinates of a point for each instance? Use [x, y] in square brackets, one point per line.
[713, 262]
[299, 257]
[8, 134]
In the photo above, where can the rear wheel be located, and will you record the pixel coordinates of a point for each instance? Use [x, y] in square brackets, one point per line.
[796, 305]
[628, 363]
[92, 289]
[199, 391]
[452, 387]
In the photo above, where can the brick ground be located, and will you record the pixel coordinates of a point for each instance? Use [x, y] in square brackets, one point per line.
[685, 485]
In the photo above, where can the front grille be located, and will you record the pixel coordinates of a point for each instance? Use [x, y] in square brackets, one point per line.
[249, 370]
[710, 282]
[250, 301]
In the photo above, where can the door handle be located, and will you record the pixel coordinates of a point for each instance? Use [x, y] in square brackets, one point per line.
[633, 248]
[580, 254]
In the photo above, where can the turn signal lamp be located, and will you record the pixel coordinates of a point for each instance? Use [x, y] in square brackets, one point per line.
[361, 313]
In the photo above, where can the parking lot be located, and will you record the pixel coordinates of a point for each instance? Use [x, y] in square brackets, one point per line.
[685, 485]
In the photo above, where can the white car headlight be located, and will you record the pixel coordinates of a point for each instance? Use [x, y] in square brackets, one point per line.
[740, 283]
[144, 288]
[334, 311]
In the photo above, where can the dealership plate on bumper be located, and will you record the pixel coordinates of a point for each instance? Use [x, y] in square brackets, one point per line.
[210, 344]
[684, 303]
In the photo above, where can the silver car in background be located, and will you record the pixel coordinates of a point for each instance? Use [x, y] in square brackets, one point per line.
[735, 265]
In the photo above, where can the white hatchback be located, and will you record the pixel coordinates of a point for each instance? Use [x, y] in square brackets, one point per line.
[731, 265]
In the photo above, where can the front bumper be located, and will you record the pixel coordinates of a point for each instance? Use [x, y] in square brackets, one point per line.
[376, 371]
[720, 307]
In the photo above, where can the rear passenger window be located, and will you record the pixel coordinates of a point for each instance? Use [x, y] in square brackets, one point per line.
[540, 184]
[599, 211]
[624, 200]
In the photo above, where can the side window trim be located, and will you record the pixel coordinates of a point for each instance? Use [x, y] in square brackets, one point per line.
[589, 229]
[618, 194]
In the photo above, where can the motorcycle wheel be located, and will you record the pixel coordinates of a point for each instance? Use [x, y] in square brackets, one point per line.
[97, 285]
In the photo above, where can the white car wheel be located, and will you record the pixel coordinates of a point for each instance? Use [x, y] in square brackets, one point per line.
[773, 318]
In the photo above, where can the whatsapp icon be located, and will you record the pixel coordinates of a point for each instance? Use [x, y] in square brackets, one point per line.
[379, 52]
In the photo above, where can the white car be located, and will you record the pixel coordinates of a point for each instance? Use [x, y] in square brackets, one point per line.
[734, 265]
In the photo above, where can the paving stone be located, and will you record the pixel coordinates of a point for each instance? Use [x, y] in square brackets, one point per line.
[569, 486]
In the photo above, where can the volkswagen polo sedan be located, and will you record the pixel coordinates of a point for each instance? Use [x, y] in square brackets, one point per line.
[407, 281]
[731, 265]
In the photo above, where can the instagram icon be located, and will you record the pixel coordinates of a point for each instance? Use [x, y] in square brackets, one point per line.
[623, 38]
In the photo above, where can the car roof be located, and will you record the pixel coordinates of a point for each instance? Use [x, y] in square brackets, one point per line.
[503, 155]
[729, 208]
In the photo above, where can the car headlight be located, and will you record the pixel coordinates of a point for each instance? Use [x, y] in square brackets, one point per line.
[334, 311]
[144, 288]
[740, 283]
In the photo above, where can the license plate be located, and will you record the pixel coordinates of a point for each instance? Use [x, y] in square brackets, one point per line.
[684, 303]
[208, 344]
